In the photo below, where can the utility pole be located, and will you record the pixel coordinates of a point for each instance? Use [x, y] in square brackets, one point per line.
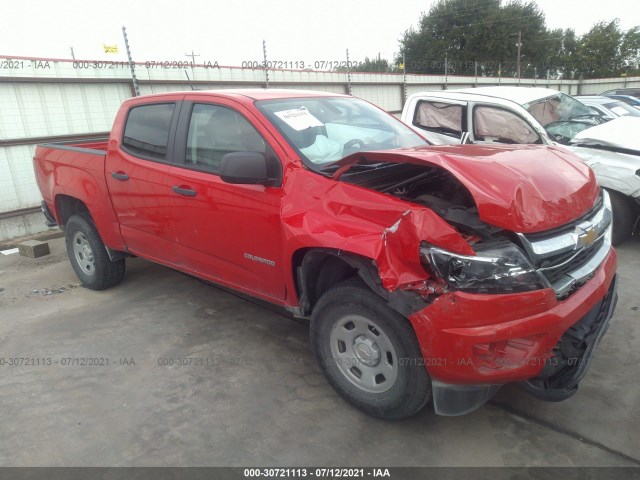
[193, 65]
[193, 57]
[519, 45]
[72, 54]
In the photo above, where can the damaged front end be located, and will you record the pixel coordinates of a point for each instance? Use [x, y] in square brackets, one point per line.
[491, 273]
[542, 336]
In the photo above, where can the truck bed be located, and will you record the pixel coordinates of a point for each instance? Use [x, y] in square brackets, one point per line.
[77, 170]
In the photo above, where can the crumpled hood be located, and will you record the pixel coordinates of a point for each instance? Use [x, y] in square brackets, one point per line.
[522, 188]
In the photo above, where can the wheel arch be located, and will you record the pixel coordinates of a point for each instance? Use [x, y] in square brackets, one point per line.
[316, 270]
[66, 206]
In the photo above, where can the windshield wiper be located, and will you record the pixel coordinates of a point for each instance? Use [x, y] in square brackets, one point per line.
[337, 169]
[332, 167]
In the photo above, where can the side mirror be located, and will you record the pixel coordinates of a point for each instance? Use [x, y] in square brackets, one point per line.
[248, 168]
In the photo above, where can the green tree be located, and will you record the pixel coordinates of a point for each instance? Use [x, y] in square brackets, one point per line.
[558, 53]
[599, 50]
[630, 50]
[467, 31]
[465, 34]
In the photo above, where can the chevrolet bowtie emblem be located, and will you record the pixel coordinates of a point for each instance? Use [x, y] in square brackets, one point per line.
[587, 237]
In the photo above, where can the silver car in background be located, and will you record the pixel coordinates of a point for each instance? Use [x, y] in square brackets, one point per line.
[609, 108]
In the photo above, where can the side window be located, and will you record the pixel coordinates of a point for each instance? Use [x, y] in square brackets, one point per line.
[440, 118]
[146, 132]
[491, 124]
[215, 131]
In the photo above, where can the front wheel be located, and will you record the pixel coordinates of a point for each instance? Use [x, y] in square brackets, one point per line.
[88, 255]
[369, 353]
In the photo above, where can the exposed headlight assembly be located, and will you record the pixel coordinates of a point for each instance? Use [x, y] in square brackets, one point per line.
[497, 268]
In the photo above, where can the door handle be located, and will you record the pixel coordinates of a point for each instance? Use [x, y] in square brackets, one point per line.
[184, 190]
[123, 177]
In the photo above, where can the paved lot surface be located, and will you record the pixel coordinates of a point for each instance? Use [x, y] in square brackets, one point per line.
[258, 398]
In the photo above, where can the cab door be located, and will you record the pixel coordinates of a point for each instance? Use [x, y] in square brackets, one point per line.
[230, 234]
[498, 124]
[136, 168]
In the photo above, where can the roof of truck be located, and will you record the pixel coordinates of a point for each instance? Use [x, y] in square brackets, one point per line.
[252, 93]
[519, 95]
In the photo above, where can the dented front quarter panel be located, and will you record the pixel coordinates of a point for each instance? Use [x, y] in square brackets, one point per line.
[319, 212]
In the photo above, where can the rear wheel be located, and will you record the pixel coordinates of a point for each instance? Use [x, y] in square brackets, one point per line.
[369, 353]
[88, 255]
[623, 218]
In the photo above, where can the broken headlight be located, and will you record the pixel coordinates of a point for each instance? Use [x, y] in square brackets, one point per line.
[501, 268]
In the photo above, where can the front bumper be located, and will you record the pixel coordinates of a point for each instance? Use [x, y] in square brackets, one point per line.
[508, 338]
[573, 353]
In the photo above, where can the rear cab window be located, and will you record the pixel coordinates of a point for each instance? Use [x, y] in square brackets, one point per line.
[146, 131]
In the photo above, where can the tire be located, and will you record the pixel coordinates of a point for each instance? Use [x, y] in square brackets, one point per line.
[623, 218]
[354, 331]
[88, 255]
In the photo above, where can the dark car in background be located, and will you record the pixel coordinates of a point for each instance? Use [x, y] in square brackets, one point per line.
[634, 92]
[628, 99]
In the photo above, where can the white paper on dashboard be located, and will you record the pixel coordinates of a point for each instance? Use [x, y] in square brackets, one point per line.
[299, 119]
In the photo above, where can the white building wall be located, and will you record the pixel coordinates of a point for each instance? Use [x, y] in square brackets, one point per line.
[18, 188]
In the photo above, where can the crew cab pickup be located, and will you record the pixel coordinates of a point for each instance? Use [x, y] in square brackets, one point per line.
[424, 271]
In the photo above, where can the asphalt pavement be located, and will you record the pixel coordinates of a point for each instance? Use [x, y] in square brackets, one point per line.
[166, 370]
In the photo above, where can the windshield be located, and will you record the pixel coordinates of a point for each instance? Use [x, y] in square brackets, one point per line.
[325, 130]
[557, 108]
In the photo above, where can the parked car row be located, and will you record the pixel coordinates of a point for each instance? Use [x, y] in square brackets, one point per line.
[602, 132]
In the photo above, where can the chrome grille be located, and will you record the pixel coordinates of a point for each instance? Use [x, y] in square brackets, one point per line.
[568, 259]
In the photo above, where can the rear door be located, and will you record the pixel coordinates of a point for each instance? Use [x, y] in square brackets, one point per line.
[230, 234]
[136, 172]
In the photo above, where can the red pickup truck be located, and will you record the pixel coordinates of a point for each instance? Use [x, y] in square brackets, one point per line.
[426, 272]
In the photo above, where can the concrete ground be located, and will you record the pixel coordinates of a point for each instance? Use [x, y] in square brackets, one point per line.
[253, 395]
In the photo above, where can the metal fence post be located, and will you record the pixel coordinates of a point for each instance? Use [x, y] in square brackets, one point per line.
[266, 64]
[132, 66]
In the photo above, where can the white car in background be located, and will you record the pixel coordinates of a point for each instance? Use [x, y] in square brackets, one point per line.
[529, 115]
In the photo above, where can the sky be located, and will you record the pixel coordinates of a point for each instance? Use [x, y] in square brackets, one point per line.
[231, 32]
